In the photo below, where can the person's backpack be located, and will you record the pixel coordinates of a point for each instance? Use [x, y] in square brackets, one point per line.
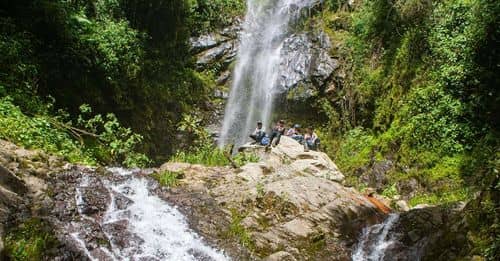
[265, 141]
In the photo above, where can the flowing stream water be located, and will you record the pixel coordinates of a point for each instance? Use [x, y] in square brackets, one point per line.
[375, 241]
[150, 228]
[255, 76]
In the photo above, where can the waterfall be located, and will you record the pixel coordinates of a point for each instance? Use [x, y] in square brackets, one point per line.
[255, 76]
[375, 241]
[137, 224]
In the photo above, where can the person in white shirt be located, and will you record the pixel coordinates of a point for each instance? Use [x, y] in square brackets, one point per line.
[258, 133]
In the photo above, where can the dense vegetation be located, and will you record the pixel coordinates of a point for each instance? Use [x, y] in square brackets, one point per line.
[126, 57]
[111, 81]
[421, 96]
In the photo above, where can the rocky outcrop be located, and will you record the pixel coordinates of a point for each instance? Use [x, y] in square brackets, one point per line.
[22, 185]
[289, 206]
[217, 49]
[11, 191]
[428, 233]
[305, 59]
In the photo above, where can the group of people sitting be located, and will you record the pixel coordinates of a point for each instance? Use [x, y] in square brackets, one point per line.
[309, 139]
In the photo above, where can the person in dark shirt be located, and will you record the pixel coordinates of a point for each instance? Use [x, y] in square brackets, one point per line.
[278, 130]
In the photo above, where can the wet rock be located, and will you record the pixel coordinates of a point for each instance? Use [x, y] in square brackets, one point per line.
[205, 42]
[217, 49]
[225, 52]
[402, 205]
[430, 233]
[121, 201]
[305, 60]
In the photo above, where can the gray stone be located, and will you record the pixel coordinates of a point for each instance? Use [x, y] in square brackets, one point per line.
[205, 42]
[11, 182]
[402, 205]
[305, 60]
[280, 256]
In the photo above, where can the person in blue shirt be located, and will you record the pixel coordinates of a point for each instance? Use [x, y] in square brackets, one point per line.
[311, 140]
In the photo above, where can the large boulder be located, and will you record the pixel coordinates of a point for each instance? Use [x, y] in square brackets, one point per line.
[288, 206]
[430, 233]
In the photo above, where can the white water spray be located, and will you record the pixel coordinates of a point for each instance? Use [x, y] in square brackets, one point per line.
[155, 230]
[375, 240]
[253, 90]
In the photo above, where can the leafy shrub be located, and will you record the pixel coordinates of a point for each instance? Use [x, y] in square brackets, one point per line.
[243, 158]
[390, 191]
[207, 15]
[38, 132]
[207, 155]
[202, 149]
[168, 178]
[118, 142]
[355, 151]
[103, 140]
[118, 47]
[30, 241]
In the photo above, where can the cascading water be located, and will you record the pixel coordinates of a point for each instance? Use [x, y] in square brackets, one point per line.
[375, 241]
[137, 225]
[255, 78]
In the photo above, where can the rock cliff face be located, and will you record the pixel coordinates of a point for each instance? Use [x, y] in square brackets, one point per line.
[305, 59]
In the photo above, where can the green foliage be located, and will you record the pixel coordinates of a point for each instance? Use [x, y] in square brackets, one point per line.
[116, 141]
[439, 198]
[129, 58]
[355, 150]
[236, 229]
[207, 15]
[29, 241]
[103, 140]
[119, 47]
[206, 154]
[202, 149]
[168, 178]
[38, 132]
[420, 90]
[243, 158]
[390, 191]
[259, 187]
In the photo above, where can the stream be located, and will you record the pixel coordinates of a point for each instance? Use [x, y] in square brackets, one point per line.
[137, 224]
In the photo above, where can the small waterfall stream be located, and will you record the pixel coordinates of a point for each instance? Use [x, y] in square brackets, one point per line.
[137, 224]
[255, 78]
[376, 240]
